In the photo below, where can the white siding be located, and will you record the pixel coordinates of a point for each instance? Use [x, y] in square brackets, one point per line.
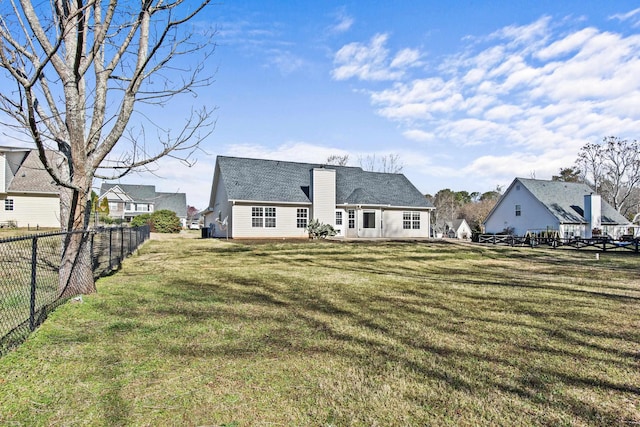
[3, 173]
[286, 223]
[393, 220]
[32, 211]
[534, 216]
[323, 195]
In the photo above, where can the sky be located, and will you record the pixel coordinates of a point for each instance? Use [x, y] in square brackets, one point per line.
[469, 94]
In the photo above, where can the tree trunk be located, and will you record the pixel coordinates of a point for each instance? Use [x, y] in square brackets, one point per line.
[76, 269]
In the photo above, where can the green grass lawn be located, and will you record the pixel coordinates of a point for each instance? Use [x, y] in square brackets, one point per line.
[207, 332]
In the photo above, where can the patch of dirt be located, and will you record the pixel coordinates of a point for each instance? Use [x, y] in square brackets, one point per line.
[184, 234]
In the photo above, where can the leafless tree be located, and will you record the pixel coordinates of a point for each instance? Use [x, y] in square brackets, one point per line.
[388, 163]
[80, 69]
[338, 160]
[613, 168]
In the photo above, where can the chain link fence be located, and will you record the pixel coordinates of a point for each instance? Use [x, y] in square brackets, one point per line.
[29, 274]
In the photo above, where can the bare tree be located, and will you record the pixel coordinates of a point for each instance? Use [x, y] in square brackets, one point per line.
[590, 163]
[388, 163]
[80, 69]
[613, 167]
[338, 160]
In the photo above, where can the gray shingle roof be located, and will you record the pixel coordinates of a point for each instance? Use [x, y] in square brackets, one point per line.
[565, 200]
[279, 181]
[176, 202]
[32, 177]
[139, 193]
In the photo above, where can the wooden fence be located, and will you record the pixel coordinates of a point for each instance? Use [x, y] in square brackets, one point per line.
[602, 244]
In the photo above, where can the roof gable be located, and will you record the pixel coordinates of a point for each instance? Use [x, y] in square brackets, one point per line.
[137, 193]
[32, 177]
[288, 182]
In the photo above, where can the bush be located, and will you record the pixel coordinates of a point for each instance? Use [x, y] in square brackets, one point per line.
[165, 221]
[141, 220]
[318, 230]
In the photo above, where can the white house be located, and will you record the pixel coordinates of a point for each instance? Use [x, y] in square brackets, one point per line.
[129, 200]
[28, 195]
[458, 229]
[253, 198]
[532, 205]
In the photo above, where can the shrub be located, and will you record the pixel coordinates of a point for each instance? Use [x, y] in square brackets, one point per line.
[165, 221]
[141, 220]
[318, 230]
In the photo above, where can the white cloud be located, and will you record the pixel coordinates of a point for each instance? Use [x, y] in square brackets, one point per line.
[285, 61]
[566, 45]
[372, 61]
[344, 22]
[523, 99]
[406, 58]
[418, 135]
[633, 16]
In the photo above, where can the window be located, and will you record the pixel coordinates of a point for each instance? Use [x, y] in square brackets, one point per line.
[339, 218]
[411, 220]
[518, 210]
[113, 206]
[302, 217]
[257, 217]
[352, 218]
[369, 220]
[415, 217]
[8, 204]
[263, 217]
[270, 217]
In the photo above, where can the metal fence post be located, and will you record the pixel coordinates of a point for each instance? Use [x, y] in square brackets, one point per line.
[121, 245]
[34, 263]
[110, 249]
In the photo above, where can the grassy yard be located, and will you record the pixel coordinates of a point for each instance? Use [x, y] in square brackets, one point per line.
[208, 332]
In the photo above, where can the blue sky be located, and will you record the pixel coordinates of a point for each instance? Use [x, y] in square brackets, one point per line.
[469, 94]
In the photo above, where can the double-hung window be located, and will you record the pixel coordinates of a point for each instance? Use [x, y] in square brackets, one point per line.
[339, 218]
[257, 217]
[302, 217]
[270, 217]
[518, 210]
[8, 204]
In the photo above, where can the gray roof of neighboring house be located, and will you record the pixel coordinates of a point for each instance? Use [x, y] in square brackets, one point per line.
[565, 200]
[139, 193]
[32, 177]
[279, 181]
[176, 202]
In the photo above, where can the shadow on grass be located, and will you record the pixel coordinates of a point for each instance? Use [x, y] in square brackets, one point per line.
[451, 324]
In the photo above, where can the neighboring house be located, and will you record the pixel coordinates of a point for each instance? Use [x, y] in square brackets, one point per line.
[252, 198]
[458, 229]
[129, 200]
[28, 195]
[532, 205]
